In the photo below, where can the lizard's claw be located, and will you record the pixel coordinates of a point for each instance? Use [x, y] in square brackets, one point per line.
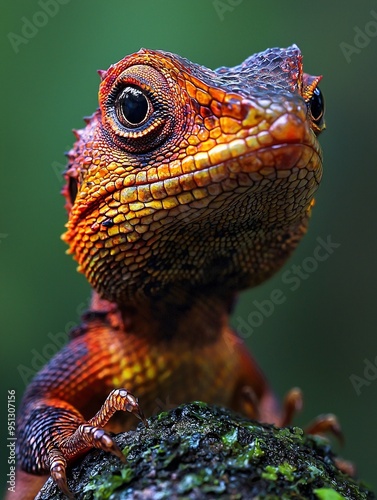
[64, 435]
[329, 424]
[58, 473]
[118, 399]
[324, 424]
[96, 437]
[292, 405]
[345, 466]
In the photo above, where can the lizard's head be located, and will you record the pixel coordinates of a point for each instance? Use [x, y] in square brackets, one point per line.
[190, 177]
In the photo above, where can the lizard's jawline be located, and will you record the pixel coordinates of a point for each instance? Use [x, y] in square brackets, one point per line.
[298, 148]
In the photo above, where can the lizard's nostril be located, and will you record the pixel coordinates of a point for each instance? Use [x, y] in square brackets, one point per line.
[288, 128]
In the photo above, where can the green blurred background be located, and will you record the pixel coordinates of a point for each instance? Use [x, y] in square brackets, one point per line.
[325, 330]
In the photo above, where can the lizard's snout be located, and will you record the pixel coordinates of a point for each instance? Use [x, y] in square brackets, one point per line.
[289, 128]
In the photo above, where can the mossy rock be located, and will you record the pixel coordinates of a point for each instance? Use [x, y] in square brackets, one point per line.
[202, 452]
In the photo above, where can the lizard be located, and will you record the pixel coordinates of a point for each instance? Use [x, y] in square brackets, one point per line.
[185, 187]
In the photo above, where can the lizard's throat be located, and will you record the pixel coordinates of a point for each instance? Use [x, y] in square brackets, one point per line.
[194, 318]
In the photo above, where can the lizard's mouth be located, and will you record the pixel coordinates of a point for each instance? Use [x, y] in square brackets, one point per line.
[237, 170]
[237, 166]
[287, 150]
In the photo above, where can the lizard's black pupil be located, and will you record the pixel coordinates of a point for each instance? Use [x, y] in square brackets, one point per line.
[317, 105]
[134, 106]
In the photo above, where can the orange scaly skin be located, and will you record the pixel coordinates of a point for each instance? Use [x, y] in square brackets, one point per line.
[186, 186]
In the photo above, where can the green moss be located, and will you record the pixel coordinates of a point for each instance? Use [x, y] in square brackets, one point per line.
[103, 486]
[231, 438]
[328, 494]
[287, 470]
[272, 472]
[197, 451]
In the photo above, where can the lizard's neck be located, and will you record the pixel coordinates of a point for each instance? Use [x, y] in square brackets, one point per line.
[193, 318]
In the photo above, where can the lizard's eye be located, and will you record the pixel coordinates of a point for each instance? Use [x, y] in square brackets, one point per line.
[72, 189]
[317, 107]
[132, 107]
[139, 109]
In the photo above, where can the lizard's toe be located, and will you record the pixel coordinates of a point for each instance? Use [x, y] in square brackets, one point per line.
[326, 424]
[58, 474]
[99, 438]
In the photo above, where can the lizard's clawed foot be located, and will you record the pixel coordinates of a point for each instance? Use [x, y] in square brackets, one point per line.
[292, 405]
[85, 436]
[69, 435]
[323, 424]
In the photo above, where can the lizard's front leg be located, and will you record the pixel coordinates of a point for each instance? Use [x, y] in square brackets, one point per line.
[54, 427]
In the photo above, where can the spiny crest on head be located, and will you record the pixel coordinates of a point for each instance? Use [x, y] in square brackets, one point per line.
[102, 73]
[310, 83]
[70, 154]
[77, 133]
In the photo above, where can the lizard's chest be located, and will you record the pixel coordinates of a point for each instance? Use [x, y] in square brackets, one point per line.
[170, 373]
